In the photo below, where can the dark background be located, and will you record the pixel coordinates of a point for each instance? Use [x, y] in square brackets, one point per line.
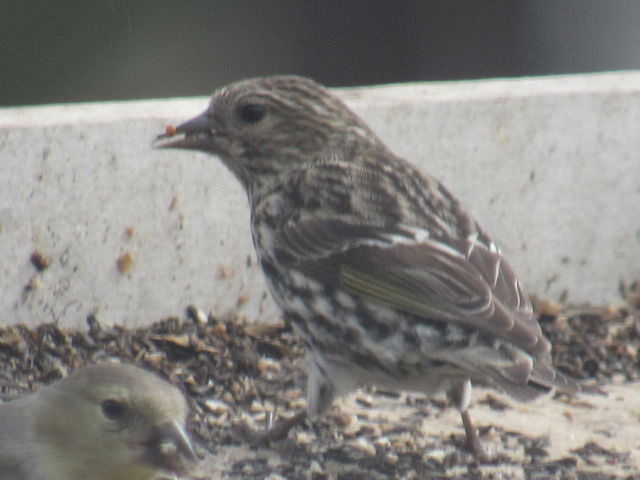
[82, 50]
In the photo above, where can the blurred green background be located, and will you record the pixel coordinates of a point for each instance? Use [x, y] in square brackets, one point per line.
[83, 50]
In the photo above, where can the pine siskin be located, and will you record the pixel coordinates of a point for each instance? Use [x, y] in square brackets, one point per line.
[380, 269]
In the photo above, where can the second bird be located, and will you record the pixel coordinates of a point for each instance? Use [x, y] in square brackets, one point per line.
[379, 268]
[103, 422]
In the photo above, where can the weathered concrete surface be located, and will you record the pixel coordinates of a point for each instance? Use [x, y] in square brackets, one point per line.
[550, 166]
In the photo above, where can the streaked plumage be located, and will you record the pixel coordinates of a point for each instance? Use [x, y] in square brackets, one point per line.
[380, 269]
[102, 422]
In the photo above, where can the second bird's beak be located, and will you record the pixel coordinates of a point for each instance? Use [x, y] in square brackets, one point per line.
[169, 448]
[199, 134]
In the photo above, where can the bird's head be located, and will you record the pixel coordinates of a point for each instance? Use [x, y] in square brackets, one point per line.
[113, 421]
[267, 125]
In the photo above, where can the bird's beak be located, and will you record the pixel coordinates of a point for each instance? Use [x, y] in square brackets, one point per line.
[199, 134]
[169, 448]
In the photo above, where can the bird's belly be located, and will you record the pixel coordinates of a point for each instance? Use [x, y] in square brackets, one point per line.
[359, 342]
[429, 378]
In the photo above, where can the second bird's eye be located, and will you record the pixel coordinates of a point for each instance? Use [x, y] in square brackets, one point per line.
[252, 112]
[113, 409]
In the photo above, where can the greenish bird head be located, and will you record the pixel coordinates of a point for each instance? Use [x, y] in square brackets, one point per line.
[111, 421]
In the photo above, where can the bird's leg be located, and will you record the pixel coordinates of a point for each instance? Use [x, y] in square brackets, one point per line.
[281, 429]
[472, 442]
[320, 395]
[460, 396]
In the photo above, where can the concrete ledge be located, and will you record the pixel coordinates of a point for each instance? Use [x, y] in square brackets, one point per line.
[550, 166]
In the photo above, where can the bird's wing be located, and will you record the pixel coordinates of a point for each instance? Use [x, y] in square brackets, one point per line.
[463, 282]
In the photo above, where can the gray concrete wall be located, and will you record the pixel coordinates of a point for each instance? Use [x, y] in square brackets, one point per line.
[550, 166]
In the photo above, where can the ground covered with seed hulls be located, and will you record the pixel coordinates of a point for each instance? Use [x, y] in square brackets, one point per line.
[239, 374]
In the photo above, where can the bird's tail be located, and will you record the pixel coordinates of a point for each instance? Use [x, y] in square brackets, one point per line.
[544, 379]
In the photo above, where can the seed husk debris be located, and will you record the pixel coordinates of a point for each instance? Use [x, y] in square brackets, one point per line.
[238, 375]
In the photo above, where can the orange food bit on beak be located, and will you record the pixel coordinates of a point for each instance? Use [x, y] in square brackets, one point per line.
[170, 130]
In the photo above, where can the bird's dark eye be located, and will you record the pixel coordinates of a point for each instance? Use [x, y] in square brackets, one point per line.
[113, 409]
[252, 112]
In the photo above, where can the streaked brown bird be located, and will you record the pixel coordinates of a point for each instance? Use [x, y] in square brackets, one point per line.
[379, 268]
[102, 422]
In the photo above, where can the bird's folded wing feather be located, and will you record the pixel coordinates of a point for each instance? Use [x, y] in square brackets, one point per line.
[464, 282]
[470, 285]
